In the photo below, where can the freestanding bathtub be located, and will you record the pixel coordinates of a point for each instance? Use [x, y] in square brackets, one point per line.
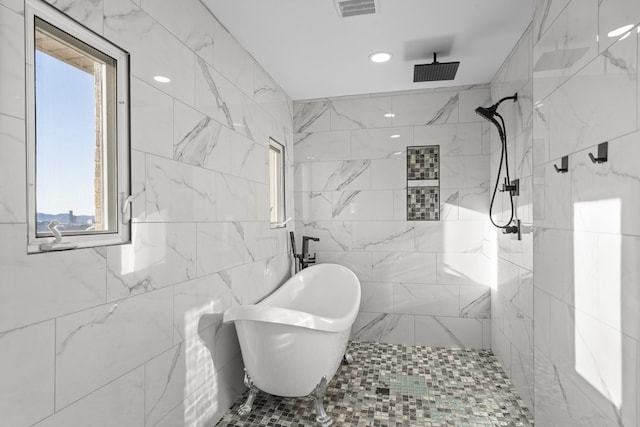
[293, 341]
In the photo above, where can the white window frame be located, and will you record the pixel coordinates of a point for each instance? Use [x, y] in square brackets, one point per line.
[117, 181]
[277, 178]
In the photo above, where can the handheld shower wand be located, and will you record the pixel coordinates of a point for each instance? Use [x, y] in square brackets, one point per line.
[490, 114]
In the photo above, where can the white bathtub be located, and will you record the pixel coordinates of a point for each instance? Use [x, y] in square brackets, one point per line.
[299, 334]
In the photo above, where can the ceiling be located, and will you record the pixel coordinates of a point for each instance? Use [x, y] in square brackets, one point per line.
[312, 52]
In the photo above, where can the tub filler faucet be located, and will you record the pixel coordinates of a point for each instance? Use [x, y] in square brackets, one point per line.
[304, 259]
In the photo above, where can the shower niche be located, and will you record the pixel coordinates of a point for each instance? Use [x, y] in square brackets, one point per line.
[423, 183]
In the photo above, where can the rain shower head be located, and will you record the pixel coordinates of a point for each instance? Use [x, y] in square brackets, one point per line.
[435, 71]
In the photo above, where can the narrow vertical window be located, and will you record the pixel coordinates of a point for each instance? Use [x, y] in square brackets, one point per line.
[276, 183]
[77, 133]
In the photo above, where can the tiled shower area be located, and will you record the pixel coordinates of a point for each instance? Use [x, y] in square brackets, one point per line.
[459, 324]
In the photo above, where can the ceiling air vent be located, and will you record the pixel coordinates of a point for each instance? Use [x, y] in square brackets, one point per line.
[348, 8]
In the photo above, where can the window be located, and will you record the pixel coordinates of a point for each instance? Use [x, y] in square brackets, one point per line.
[276, 184]
[78, 134]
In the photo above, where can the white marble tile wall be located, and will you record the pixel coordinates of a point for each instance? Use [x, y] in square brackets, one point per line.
[512, 260]
[132, 335]
[424, 283]
[587, 304]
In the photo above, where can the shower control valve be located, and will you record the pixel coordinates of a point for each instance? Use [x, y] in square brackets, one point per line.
[513, 187]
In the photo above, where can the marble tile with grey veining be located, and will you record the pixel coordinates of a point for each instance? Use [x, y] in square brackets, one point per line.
[404, 267]
[217, 97]
[220, 245]
[426, 299]
[249, 159]
[385, 236]
[314, 206]
[363, 205]
[13, 175]
[268, 95]
[88, 12]
[91, 350]
[544, 14]
[236, 199]
[361, 113]
[189, 21]
[202, 143]
[382, 143]
[159, 255]
[233, 61]
[383, 328]
[334, 176]
[179, 192]
[333, 235]
[153, 47]
[152, 116]
[475, 302]
[320, 146]
[449, 332]
[425, 109]
[312, 116]
[12, 74]
[453, 139]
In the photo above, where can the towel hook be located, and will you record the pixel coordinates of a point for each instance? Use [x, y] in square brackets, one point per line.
[564, 165]
[603, 149]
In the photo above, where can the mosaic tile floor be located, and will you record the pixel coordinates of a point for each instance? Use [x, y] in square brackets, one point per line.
[395, 385]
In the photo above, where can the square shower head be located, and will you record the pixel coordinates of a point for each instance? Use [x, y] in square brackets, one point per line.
[435, 71]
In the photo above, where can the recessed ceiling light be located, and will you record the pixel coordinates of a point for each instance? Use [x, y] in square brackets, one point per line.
[389, 115]
[380, 57]
[619, 31]
[162, 79]
[394, 136]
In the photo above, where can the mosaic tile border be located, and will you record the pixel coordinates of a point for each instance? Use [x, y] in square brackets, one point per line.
[423, 203]
[395, 385]
[423, 162]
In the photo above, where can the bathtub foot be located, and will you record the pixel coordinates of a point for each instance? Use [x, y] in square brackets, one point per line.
[245, 409]
[347, 358]
[317, 396]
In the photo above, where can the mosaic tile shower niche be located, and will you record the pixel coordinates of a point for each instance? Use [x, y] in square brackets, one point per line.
[423, 183]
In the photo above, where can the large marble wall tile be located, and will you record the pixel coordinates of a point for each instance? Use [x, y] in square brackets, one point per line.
[198, 35]
[333, 235]
[363, 205]
[389, 174]
[518, 329]
[314, 206]
[453, 139]
[119, 403]
[232, 61]
[361, 113]
[555, 250]
[199, 304]
[425, 109]
[552, 204]
[152, 119]
[12, 174]
[470, 100]
[27, 294]
[404, 267]
[12, 75]
[27, 372]
[321, 146]
[578, 120]
[373, 236]
[384, 143]
[312, 116]
[358, 262]
[449, 208]
[377, 297]
[138, 186]
[541, 147]
[247, 281]
[566, 47]
[629, 290]
[154, 50]
[384, 328]
[262, 241]
[545, 13]
[15, 5]
[604, 196]
[475, 302]
[236, 199]
[473, 203]
[159, 255]
[333, 176]
[89, 13]
[463, 268]
[448, 332]
[179, 192]
[217, 97]
[271, 97]
[165, 380]
[199, 140]
[464, 171]
[249, 159]
[613, 15]
[431, 300]
[449, 236]
[91, 349]
[521, 375]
